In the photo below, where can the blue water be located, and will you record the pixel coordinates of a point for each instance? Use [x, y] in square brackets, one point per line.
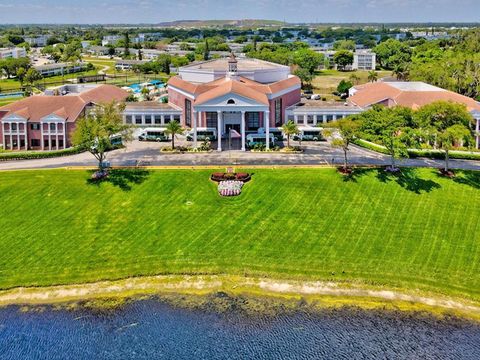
[153, 330]
[11, 95]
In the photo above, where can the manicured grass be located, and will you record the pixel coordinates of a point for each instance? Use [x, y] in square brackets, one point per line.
[9, 100]
[416, 231]
[326, 81]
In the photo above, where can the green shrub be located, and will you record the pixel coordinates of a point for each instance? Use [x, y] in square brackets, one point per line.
[416, 153]
[6, 156]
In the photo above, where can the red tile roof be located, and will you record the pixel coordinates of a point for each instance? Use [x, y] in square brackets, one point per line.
[68, 107]
[375, 93]
[243, 87]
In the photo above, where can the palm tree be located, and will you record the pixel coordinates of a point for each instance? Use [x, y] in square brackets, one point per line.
[289, 129]
[372, 76]
[173, 128]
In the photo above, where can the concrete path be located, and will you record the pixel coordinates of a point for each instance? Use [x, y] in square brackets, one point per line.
[149, 154]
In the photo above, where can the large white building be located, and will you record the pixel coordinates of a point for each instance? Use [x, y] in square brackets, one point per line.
[15, 53]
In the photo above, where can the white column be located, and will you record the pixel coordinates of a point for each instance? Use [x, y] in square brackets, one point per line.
[478, 134]
[18, 136]
[41, 139]
[315, 119]
[171, 118]
[324, 119]
[219, 129]
[242, 126]
[143, 119]
[25, 134]
[56, 135]
[266, 123]
[195, 114]
[65, 135]
[334, 117]
[3, 136]
[295, 118]
[162, 119]
[11, 137]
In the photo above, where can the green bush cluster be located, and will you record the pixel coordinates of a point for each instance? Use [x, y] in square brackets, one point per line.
[415, 153]
[39, 155]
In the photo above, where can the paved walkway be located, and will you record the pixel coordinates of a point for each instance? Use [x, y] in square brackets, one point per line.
[149, 154]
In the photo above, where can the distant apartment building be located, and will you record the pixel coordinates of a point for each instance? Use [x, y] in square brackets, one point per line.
[123, 65]
[364, 60]
[60, 68]
[15, 53]
[37, 41]
[111, 39]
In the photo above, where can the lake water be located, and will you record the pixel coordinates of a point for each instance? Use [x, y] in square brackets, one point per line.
[150, 329]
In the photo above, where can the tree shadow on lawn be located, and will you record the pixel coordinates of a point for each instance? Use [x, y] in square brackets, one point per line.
[470, 178]
[122, 178]
[408, 178]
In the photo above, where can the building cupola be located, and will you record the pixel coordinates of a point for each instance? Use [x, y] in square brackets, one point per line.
[232, 67]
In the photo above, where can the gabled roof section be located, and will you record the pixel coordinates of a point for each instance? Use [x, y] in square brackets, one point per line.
[243, 86]
[68, 107]
[230, 86]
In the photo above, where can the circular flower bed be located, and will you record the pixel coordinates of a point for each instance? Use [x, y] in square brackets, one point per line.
[230, 187]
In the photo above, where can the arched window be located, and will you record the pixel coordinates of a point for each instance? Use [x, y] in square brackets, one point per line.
[230, 102]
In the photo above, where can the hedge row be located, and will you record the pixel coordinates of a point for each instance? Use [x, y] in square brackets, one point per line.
[6, 156]
[415, 153]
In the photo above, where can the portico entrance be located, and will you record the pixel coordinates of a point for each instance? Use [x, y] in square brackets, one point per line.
[231, 122]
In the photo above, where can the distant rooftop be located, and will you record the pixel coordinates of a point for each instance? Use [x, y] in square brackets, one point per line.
[414, 86]
[243, 64]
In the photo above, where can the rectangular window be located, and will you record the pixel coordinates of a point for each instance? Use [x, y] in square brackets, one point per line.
[253, 120]
[54, 143]
[13, 126]
[148, 119]
[310, 119]
[128, 119]
[60, 143]
[188, 113]
[35, 142]
[52, 127]
[138, 119]
[291, 118]
[167, 119]
[212, 118]
[176, 118]
[329, 118]
[45, 143]
[278, 112]
[158, 119]
[34, 126]
[301, 119]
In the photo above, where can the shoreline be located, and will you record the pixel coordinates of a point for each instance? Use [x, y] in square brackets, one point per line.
[320, 294]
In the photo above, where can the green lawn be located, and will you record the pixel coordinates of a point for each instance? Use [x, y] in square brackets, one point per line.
[417, 231]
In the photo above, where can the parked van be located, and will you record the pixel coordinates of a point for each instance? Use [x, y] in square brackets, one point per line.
[259, 139]
[309, 134]
[276, 132]
[209, 134]
[153, 134]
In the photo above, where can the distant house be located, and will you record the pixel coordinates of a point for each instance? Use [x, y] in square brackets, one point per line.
[413, 94]
[46, 122]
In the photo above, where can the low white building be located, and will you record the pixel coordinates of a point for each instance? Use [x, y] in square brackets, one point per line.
[60, 68]
[18, 52]
[151, 114]
[110, 39]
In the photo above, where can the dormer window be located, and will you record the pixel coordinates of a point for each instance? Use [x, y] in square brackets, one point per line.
[231, 102]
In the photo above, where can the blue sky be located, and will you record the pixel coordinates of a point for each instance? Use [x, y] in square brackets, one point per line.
[151, 11]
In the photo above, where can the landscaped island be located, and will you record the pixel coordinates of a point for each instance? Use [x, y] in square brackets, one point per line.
[414, 231]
